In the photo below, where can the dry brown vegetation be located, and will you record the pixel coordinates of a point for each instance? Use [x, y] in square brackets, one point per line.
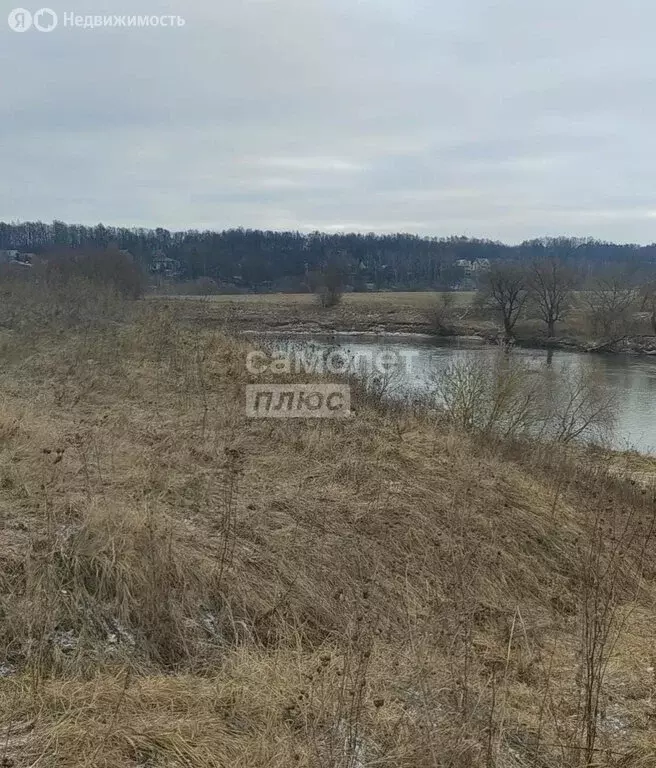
[182, 586]
[427, 312]
[363, 312]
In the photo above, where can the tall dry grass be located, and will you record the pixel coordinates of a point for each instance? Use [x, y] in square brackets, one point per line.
[182, 586]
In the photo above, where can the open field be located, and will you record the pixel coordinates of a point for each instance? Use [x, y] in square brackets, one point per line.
[183, 586]
[403, 312]
[397, 312]
[384, 300]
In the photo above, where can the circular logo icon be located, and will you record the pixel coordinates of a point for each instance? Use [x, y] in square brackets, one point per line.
[45, 20]
[20, 20]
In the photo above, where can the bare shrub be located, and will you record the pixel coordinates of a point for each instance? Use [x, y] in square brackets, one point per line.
[579, 406]
[440, 317]
[511, 399]
[501, 398]
[380, 388]
[111, 268]
[69, 290]
[31, 305]
[613, 560]
[330, 285]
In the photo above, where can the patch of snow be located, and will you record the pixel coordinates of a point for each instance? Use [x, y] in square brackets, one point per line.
[66, 641]
[119, 634]
[7, 670]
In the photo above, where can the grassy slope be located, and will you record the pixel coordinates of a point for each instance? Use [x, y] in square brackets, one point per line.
[181, 586]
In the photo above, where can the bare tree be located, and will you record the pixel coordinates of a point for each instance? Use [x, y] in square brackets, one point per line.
[505, 288]
[611, 297]
[550, 284]
[649, 303]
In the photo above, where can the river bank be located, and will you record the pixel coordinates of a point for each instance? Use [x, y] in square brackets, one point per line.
[413, 364]
[387, 314]
[630, 345]
[249, 592]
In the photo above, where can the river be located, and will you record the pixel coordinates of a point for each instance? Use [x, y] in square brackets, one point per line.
[630, 380]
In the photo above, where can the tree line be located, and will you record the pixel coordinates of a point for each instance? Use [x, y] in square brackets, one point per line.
[266, 260]
[549, 289]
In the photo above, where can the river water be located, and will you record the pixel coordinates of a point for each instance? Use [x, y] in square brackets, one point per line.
[630, 380]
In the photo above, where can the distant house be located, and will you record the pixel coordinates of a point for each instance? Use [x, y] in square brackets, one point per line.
[476, 266]
[17, 258]
[164, 266]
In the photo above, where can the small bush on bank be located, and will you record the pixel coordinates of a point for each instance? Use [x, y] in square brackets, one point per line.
[329, 285]
[441, 316]
[510, 399]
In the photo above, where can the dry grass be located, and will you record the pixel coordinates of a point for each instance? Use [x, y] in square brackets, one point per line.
[389, 312]
[376, 300]
[401, 312]
[182, 586]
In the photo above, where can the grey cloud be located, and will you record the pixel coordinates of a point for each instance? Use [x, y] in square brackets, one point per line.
[506, 120]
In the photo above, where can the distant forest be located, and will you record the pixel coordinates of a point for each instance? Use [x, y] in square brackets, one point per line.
[264, 260]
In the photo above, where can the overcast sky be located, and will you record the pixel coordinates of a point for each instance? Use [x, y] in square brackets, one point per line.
[506, 119]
